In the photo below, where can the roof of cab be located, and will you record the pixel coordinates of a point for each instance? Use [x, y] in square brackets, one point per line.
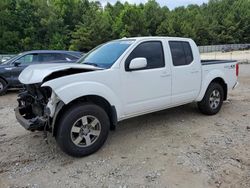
[75, 53]
[154, 37]
[49, 51]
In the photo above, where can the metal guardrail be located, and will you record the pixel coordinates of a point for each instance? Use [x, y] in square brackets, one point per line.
[202, 49]
[217, 48]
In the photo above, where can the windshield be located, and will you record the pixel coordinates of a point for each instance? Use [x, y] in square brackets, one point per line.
[105, 55]
[9, 60]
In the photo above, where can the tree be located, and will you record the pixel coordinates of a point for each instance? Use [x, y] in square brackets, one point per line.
[131, 22]
[84, 24]
[95, 30]
[154, 16]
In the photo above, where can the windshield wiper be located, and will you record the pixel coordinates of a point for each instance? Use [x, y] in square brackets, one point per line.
[94, 64]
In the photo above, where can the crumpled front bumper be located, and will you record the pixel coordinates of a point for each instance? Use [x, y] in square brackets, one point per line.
[32, 124]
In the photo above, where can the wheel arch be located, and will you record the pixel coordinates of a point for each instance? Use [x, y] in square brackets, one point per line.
[95, 99]
[221, 81]
[4, 80]
[217, 79]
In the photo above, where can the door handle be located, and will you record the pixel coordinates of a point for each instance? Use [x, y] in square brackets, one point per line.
[195, 71]
[165, 75]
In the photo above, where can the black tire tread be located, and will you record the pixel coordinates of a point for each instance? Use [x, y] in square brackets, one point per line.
[204, 106]
[5, 86]
[63, 138]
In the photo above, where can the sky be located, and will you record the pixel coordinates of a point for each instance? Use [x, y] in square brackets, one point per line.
[171, 4]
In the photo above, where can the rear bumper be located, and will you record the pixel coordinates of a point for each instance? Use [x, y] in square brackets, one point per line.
[33, 124]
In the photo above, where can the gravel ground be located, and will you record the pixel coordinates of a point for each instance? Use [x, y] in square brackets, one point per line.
[178, 147]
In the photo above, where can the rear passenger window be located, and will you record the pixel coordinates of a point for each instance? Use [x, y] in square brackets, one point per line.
[69, 57]
[28, 59]
[152, 51]
[181, 53]
[48, 57]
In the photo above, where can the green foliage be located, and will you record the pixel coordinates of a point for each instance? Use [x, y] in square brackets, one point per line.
[83, 24]
[131, 22]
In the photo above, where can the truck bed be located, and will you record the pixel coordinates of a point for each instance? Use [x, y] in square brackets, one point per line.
[226, 67]
[212, 62]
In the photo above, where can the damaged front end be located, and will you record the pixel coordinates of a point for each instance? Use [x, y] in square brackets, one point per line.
[33, 112]
[38, 105]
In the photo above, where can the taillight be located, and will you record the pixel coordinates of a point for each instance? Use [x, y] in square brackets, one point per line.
[237, 69]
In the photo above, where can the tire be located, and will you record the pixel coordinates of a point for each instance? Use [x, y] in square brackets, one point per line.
[3, 87]
[83, 129]
[213, 99]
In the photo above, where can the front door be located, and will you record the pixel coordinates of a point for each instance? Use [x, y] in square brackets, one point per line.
[149, 88]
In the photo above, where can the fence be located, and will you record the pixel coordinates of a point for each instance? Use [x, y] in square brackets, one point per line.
[215, 49]
[225, 47]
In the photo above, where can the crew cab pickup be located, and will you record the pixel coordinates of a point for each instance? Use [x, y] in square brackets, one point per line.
[80, 103]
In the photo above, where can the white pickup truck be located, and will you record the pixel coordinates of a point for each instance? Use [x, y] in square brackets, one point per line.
[80, 103]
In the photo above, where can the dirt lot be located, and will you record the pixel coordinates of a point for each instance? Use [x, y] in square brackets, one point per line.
[173, 148]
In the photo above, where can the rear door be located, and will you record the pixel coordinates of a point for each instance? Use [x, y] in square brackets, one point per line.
[186, 72]
[147, 89]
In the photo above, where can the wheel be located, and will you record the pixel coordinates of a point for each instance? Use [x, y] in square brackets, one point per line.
[83, 129]
[213, 99]
[3, 86]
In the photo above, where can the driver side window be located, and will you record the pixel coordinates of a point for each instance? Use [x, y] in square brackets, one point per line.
[152, 51]
[28, 59]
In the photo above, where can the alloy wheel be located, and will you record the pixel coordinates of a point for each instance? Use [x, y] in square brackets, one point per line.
[85, 131]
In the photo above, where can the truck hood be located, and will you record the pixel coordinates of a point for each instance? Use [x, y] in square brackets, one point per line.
[37, 73]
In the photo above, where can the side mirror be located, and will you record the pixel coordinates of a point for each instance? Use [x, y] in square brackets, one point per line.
[138, 63]
[16, 63]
